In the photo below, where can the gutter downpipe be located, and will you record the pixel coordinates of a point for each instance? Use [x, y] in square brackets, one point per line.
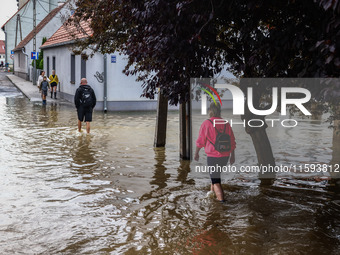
[5, 48]
[105, 83]
[28, 69]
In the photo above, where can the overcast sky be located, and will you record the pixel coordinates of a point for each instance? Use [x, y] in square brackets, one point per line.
[7, 9]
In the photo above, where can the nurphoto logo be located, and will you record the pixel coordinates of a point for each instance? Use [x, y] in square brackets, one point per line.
[280, 97]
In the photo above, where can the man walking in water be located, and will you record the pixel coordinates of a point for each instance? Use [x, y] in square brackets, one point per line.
[85, 100]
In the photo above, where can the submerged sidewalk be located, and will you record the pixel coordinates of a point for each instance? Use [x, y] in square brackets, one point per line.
[31, 91]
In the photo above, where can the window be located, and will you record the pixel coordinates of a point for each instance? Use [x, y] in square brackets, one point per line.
[48, 66]
[73, 69]
[83, 67]
[53, 63]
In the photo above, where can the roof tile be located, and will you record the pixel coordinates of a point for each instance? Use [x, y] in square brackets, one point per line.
[68, 33]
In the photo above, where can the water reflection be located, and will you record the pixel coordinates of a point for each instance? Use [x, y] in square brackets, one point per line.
[83, 154]
[183, 172]
[160, 177]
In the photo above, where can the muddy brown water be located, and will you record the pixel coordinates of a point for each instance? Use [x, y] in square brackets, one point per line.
[111, 192]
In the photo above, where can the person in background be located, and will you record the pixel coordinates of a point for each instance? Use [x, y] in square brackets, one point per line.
[85, 100]
[41, 78]
[54, 83]
[44, 86]
[207, 138]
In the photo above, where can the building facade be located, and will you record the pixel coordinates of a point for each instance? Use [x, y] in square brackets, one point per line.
[123, 92]
[23, 19]
[46, 28]
[2, 53]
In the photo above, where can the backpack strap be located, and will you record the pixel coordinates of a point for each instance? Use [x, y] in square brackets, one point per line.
[215, 129]
[213, 126]
[225, 126]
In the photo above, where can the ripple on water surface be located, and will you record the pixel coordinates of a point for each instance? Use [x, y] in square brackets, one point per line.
[112, 193]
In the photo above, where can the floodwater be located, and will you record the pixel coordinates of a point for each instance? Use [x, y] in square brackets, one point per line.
[111, 192]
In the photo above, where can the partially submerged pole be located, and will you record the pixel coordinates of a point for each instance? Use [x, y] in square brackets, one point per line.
[105, 83]
[335, 162]
[185, 130]
[161, 120]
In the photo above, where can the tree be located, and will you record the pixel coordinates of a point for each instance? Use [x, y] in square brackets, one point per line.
[168, 42]
[40, 60]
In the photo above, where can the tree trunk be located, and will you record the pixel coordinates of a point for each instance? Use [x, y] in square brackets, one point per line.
[264, 154]
[161, 121]
[259, 137]
[185, 130]
[316, 110]
[336, 153]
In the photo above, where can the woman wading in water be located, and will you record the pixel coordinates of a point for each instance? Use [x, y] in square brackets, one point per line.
[218, 141]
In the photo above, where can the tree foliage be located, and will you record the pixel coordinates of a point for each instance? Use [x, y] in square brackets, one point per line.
[168, 42]
[40, 60]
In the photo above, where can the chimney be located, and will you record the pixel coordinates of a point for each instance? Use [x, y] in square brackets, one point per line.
[21, 3]
[60, 3]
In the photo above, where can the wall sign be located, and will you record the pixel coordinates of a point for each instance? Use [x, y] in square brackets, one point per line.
[113, 59]
[34, 55]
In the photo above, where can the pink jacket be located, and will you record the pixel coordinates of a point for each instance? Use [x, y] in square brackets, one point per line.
[207, 131]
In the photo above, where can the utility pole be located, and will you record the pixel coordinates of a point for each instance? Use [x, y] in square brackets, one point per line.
[105, 82]
[16, 30]
[20, 28]
[34, 43]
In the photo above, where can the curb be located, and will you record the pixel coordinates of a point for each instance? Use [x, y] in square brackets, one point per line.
[33, 98]
[23, 92]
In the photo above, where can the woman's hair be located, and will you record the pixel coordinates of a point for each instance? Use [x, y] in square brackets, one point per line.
[41, 72]
[215, 110]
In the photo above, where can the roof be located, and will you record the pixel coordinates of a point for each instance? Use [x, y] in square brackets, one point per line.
[2, 44]
[2, 27]
[67, 34]
[39, 27]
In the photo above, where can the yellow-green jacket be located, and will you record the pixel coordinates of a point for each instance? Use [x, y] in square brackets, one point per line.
[55, 79]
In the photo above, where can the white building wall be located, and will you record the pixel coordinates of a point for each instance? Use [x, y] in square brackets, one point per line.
[122, 87]
[123, 91]
[26, 14]
[22, 67]
[63, 70]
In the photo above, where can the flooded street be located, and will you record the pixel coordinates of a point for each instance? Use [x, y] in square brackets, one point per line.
[111, 192]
